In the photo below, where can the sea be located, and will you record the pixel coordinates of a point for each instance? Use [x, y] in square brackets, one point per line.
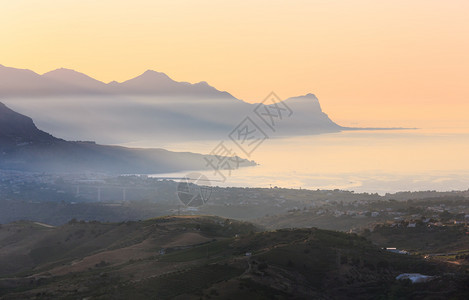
[372, 161]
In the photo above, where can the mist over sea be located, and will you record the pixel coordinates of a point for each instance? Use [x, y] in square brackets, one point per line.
[362, 161]
[434, 157]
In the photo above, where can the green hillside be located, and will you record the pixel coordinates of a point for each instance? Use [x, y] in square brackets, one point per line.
[204, 257]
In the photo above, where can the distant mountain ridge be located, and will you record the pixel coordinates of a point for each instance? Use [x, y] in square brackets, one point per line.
[22, 82]
[150, 107]
[24, 147]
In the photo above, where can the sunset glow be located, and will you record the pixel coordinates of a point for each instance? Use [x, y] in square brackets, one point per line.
[407, 56]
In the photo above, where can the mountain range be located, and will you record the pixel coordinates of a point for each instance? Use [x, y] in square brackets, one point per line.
[22, 82]
[26, 148]
[150, 108]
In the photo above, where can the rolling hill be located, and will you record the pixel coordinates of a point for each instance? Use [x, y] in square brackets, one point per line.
[209, 258]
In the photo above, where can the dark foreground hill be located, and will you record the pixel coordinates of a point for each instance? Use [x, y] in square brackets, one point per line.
[207, 258]
[26, 148]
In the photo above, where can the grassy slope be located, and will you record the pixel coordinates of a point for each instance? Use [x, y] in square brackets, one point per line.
[422, 238]
[122, 261]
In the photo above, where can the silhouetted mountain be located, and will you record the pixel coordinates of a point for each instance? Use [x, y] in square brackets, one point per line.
[21, 83]
[307, 117]
[149, 107]
[152, 82]
[16, 129]
[76, 81]
[24, 147]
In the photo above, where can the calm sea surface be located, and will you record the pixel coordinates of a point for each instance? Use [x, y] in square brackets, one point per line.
[362, 161]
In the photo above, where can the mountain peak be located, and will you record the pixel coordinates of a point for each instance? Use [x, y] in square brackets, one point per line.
[150, 76]
[72, 77]
[308, 102]
[22, 82]
[149, 82]
[307, 96]
[61, 71]
[16, 71]
[150, 72]
[304, 98]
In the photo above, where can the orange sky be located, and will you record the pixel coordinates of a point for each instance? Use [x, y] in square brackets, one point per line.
[370, 62]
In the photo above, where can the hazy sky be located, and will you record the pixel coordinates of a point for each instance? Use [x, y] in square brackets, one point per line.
[365, 59]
